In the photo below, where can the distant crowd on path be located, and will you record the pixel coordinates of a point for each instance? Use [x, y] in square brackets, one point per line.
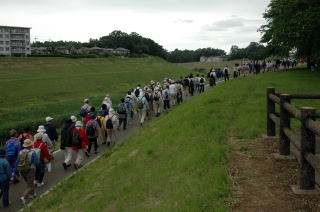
[29, 156]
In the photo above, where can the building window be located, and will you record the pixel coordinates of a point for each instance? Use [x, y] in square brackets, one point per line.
[7, 43]
[7, 49]
[1, 48]
[1, 42]
[1, 36]
[6, 30]
[7, 36]
[1, 30]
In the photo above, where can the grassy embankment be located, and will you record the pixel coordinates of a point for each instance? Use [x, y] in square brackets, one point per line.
[209, 65]
[178, 162]
[33, 88]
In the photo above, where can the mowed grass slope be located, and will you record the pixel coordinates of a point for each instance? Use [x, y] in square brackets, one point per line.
[178, 162]
[32, 88]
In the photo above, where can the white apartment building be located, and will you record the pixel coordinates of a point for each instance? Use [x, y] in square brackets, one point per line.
[15, 41]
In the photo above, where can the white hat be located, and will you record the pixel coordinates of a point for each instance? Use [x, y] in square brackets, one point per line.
[73, 119]
[85, 100]
[41, 129]
[37, 136]
[27, 143]
[108, 95]
[78, 124]
[48, 118]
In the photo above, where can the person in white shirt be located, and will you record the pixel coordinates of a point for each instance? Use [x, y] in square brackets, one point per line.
[173, 93]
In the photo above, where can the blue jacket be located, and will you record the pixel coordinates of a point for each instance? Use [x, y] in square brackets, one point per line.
[34, 158]
[5, 170]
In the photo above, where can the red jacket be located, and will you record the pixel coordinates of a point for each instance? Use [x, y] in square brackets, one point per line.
[44, 150]
[83, 138]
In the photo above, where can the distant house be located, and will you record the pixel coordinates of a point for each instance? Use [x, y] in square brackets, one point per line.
[205, 59]
[122, 51]
[63, 50]
[39, 51]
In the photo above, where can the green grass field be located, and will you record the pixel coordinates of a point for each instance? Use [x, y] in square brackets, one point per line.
[178, 162]
[33, 88]
[209, 65]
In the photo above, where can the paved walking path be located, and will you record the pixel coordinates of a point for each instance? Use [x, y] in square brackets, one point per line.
[58, 173]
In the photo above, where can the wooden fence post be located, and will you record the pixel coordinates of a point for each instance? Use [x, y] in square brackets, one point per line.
[308, 140]
[271, 108]
[284, 141]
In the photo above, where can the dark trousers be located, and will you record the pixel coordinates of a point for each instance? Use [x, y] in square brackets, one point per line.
[124, 121]
[40, 171]
[94, 141]
[191, 89]
[202, 88]
[4, 186]
[226, 77]
[12, 161]
[166, 104]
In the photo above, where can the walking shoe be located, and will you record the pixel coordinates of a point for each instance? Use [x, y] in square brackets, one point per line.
[64, 166]
[35, 182]
[40, 184]
[87, 153]
[23, 200]
[75, 166]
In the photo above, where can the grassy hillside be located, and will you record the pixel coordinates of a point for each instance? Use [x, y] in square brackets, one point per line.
[32, 88]
[209, 65]
[178, 162]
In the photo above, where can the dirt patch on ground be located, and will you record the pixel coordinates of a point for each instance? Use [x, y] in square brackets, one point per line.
[262, 183]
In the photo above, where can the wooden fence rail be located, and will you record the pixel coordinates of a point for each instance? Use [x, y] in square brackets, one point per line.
[304, 141]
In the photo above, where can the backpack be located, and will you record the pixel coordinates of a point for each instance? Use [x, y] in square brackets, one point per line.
[11, 150]
[191, 82]
[24, 162]
[109, 124]
[90, 130]
[137, 92]
[166, 95]
[76, 139]
[201, 80]
[186, 82]
[121, 109]
[140, 104]
[83, 113]
[37, 150]
[156, 97]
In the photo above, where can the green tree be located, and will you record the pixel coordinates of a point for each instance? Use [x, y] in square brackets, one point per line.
[293, 24]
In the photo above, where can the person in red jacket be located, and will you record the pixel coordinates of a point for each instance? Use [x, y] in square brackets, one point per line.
[40, 148]
[79, 143]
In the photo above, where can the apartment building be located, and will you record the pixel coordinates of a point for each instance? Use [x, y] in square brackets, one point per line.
[15, 41]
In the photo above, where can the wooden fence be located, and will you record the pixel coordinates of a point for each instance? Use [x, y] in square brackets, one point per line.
[303, 141]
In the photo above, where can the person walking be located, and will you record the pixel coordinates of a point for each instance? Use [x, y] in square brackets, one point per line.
[173, 93]
[129, 102]
[122, 111]
[85, 108]
[92, 131]
[212, 77]
[157, 98]
[143, 106]
[51, 130]
[45, 138]
[79, 143]
[5, 175]
[191, 85]
[13, 148]
[66, 143]
[42, 151]
[26, 161]
[166, 98]
[202, 81]
[226, 73]
[111, 123]
[25, 135]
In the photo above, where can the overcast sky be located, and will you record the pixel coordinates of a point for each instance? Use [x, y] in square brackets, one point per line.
[182, 24]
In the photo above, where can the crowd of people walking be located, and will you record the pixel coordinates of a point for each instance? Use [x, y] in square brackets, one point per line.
[28, 157]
